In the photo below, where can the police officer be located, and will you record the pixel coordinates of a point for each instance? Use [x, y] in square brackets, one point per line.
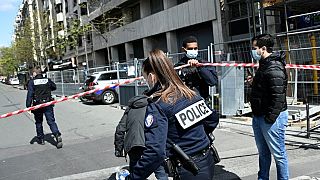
[39, 91]
[176, 113]
[196, 78]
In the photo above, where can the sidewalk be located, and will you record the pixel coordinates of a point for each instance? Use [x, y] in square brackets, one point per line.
[239, 157]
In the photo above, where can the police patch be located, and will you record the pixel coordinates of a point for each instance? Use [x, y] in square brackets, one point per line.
[149, 120]
[40, 81]
[193, 114]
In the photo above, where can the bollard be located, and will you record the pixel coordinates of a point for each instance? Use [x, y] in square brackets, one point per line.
[308, 119]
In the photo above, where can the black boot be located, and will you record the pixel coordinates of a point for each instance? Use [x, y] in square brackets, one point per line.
[59, 141]
[41, 141]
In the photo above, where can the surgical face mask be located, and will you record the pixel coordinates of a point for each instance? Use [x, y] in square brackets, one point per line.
[192, 54]
[255, 55]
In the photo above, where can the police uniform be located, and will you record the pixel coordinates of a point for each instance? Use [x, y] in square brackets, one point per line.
[197, 78]
[39, 91]
[186, 123]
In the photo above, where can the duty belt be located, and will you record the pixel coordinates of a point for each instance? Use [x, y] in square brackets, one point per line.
[200, 153]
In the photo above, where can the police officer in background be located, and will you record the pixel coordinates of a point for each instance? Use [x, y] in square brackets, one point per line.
[196, 78]
[39, 91]
[176, 115]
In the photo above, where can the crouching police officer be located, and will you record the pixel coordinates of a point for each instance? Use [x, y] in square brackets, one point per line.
[176, 117]
[39, 91]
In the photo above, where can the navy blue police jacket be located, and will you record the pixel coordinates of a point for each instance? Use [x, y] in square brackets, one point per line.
[39, 89]
[186, 122]
[199, 78]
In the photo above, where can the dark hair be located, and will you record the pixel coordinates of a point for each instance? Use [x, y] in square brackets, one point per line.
[172, 85]
[264, 40]
[37, 70]
[190, 39]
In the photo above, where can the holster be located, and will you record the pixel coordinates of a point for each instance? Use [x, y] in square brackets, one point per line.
[215, 154]
[170, 166]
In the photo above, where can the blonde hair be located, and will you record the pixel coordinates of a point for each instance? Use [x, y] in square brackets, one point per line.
[172, 86]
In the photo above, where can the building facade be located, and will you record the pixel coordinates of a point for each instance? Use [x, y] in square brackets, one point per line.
[121, 30]
[136, 27]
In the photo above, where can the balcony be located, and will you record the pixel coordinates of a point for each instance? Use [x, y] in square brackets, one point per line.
[58, 2]
[18, 19]
[61, 33]
[60, 17]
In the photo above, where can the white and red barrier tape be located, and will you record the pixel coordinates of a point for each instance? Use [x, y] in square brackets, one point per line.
[66, 98]
[291, 66]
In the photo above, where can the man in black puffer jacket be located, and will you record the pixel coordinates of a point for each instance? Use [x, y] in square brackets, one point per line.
[269, 107]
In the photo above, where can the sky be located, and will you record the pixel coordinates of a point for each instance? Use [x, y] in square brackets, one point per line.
[8, 12]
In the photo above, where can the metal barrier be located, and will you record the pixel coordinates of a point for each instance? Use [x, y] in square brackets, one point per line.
[231, 96]
[67, 81]
[303, 85]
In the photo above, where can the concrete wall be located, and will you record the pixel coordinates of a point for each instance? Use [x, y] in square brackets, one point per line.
[182, 15]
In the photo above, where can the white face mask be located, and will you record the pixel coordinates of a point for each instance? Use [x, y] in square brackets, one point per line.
[192, 54]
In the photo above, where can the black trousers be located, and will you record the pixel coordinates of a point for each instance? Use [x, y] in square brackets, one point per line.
[49, 114]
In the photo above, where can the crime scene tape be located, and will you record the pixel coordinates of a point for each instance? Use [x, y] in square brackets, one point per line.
[291, 66]
[288, 66]
[67, 98]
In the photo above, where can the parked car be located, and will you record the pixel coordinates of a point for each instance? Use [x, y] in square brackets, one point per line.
[101, 80]
[14, 81]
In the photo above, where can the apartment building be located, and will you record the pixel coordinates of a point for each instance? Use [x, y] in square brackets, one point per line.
[126, 29]
[144, 25]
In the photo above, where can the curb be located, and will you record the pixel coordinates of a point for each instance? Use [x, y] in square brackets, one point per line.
[292, 136]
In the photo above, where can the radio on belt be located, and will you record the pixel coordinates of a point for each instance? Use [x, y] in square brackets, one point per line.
[193, 114]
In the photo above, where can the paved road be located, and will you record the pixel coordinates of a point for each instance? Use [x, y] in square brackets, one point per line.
[88, 145]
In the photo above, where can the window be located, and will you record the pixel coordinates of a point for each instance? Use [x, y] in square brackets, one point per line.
[66, 4]
[181, 1]
[238, 10]
[238, 27]
[113, 76]
[79, 41]
[106, 76]
[135, 12]
[89, 38]
[156, 6]
[60, 26]
[58, 8]
[123, 75]
[83, 9]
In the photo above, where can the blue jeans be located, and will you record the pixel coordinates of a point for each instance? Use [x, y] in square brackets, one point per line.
[38, 116]
[270, 139]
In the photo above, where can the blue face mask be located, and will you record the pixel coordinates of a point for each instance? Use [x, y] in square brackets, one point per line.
[255, 55]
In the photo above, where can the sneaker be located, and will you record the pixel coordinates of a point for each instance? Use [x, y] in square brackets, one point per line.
[59, 141]
[41, 141]
[122, 174]
[58, 138]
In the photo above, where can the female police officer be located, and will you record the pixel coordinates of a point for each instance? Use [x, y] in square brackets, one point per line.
[176, 113]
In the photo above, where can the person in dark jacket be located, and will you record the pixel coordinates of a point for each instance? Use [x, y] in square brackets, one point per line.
[176, 113]
[39, 92]
[269, 107]
[196, 78]
[129, 136]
